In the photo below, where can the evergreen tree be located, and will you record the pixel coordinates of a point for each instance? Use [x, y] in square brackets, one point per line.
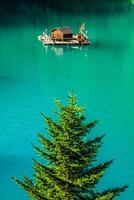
[70, 172]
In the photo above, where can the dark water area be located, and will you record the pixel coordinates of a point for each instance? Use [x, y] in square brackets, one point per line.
[35, 12]
[31, 75]
[29, 8]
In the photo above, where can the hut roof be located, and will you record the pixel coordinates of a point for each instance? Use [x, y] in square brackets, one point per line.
[64, 30]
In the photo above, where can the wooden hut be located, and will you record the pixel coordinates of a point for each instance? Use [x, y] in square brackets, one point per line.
[62, 33]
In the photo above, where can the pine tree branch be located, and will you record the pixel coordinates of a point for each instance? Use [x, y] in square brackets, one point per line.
[54, 128]
[59, 180]
[92, 124]
[31, 190]
[84, 129]
[111, 193]
[46, 155]
[88, 127]
[74, 155]
[54, 180]
[46, 143]
[98, 168]
[52, 125]
[44, 167]
[91, 177]
[97, 140]
[80, 155]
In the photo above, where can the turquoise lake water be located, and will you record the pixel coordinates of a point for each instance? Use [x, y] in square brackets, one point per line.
[102, 76]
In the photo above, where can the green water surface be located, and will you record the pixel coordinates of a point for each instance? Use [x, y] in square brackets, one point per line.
[102, 75]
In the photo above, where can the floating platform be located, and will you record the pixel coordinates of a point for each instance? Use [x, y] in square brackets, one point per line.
[64, 36]
[66, 43]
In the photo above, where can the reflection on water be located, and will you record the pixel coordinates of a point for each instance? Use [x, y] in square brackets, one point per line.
[60, 50]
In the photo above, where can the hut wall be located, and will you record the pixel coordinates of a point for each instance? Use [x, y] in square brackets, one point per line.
[57, 34]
